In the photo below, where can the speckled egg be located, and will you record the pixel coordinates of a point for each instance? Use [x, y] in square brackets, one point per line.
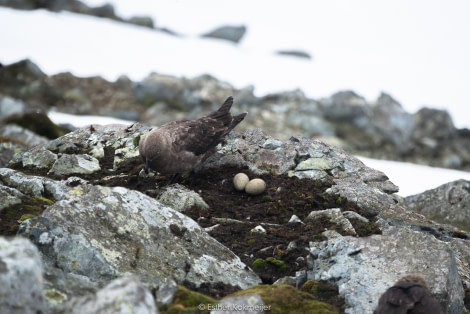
[255, 187]
[240, 181]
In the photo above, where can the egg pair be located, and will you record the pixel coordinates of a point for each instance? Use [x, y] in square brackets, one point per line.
[252, 187]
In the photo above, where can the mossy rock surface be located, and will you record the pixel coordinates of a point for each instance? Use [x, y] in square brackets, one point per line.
[286, 299]
[188, 301]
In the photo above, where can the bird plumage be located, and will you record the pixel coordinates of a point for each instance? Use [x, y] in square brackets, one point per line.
[409, 294]
[182, 146]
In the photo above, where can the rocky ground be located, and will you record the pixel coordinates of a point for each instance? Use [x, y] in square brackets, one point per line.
[326, 224]
[327, 234]
[380, 129]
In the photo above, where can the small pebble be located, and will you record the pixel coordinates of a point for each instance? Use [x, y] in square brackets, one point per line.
[255, 187]
[258, 229]
[240, 181]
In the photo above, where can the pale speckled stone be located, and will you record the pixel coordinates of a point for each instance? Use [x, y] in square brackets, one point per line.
[181, 198]
[126, 295]
[75, 164]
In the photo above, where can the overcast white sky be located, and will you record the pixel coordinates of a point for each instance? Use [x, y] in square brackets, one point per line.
[417, 51]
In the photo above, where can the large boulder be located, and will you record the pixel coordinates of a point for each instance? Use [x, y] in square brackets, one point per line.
[102, 232]
[364, 268]
[448, 203]
[21, 276]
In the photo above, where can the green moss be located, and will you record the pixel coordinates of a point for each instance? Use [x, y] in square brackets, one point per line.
[287, 299]
[136, 141]
[339, 201]
[26, 216]
[317, 237]
[251, 241]
[43, 200]
[32, 208]
[267, 198]
[280, 265]
[323, 291]
[258, 264]
[187, 301]
[9, 213]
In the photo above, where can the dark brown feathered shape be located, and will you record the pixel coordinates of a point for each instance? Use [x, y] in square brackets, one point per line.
[410, 294]
[182, 146]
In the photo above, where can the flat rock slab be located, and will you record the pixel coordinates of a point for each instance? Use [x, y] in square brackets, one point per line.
[363, 268]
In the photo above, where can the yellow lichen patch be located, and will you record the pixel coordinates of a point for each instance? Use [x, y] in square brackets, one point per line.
[78, 191]
[54, 296]
[287, 299]
[73, 265]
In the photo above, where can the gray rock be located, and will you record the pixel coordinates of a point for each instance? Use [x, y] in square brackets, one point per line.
[347, 106]
[126, 295]
[145, 21]
[461, 248]
[310, 125]
[433, 123]
[393, 123]
[21, 277]
[363, 268]
[7, 152]
[96, 233]
[68, 164]
[10, 106]
[353, 215]
[295, 53]
[230, 33]
[24, 69]
[378, 129]
[21, 135]
[166, 293]
[102, 232]
[157, 87]
[9, 196]
[35, 185]
[448, 203]
[272, 144]
[37, 157]
[181, 198]
[335, 216]
[105, 10]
